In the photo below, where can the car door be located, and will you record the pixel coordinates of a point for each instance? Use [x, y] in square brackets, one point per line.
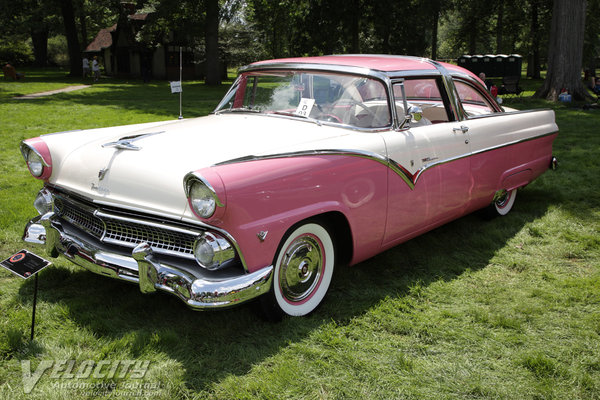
[486, 132]
[430, 179]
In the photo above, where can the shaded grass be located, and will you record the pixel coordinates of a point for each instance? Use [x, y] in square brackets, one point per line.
[507, 309]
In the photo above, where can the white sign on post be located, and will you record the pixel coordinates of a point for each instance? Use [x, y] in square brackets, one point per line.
[305, 107]
[176, 87]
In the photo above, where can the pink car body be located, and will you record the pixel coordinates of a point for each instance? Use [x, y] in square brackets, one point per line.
[305, 164]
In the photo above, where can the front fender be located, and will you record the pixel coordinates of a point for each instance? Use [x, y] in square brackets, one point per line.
[267, 197]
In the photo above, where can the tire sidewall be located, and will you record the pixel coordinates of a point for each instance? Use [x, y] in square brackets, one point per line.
[505, 207]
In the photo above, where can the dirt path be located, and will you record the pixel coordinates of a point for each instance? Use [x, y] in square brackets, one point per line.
[51, 92]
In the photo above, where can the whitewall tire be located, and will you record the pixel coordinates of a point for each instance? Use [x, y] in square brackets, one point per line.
[303, 270]
[504, 204]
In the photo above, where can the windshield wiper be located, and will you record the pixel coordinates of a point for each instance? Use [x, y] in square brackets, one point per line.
[293, 114]
[239, 109]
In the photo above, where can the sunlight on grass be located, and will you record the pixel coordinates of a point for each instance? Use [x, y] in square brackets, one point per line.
[507, 309]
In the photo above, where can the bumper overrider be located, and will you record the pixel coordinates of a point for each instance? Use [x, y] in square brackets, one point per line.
[197, 288]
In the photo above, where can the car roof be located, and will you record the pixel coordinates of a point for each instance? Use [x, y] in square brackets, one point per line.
[379, 62]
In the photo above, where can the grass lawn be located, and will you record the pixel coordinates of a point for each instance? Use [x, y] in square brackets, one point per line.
[501, 309]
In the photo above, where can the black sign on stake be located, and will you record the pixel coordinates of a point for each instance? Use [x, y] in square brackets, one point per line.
[26, 264]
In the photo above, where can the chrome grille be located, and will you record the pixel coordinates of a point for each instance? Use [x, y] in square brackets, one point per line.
[157, 238]
[80, 218]
[128, 232]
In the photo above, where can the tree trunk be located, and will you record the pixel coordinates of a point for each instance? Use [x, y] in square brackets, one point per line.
[66, 8]
[534, 67]
[82, 24]
[473, 39]
[355, 26]
[565, 52]
[39, 40]
[434, 31]
[213, 77]
[499, 27]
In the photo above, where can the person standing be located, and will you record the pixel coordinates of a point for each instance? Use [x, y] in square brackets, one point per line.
[86, 67]
[96, 69]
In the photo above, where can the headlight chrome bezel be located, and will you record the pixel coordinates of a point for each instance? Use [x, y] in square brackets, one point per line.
[195, 183]
[212, 251]
[44, 201]
[37, 156]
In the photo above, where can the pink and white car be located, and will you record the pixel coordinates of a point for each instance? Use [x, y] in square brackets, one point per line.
[305, 165]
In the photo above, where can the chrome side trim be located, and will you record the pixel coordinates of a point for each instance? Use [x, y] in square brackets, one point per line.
[455, 104]
[409, 178]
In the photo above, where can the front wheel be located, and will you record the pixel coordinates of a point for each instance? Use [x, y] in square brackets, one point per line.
[302, 272]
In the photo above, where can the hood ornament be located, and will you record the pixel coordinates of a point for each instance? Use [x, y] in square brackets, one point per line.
[122, 145]
[125, 143]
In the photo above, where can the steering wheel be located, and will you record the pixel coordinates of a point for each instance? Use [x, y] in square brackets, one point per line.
[376, 119]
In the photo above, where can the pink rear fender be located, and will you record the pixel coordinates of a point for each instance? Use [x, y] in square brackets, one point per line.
[509, 167]
[269, 196]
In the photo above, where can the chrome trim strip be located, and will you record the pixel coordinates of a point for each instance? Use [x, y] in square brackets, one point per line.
[409, 178]
[455, 104]
[336, 68]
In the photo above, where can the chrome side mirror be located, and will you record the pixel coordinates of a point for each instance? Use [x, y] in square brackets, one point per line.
[415, 113]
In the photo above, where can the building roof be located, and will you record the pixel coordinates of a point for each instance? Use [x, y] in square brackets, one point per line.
[102, 40]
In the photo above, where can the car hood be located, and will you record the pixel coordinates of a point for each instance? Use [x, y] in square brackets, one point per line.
[141, 167]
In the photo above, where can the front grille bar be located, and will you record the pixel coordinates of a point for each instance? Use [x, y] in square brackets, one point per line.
[127, 231]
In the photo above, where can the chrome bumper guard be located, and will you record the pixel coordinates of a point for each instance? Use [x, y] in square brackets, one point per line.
[144, 268]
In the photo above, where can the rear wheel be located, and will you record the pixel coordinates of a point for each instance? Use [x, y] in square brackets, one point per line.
[502, 205]
[505, 203]
[302, 272]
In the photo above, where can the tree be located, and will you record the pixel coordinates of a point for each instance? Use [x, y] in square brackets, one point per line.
[565, 52]
[213, 76]
[68, 14]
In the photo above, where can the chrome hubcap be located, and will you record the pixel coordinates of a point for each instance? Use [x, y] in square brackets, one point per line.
[501, 202]
[301, 268]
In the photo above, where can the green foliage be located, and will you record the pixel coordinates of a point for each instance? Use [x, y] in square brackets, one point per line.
[57, 51]
[15, 51]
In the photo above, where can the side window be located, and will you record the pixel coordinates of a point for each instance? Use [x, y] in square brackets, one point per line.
[473, 101]
[424, 93]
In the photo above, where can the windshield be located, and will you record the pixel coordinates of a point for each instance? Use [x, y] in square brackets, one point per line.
[333, 98]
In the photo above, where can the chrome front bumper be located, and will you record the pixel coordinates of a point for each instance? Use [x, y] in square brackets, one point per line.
[198, 289]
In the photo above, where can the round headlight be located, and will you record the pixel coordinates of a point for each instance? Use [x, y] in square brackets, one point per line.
[34, 162]
[202, 199]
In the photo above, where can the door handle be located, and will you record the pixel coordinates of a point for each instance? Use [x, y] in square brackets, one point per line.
[463, 129]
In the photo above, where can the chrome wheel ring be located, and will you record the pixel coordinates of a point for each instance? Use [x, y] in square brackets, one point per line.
[301, 268]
